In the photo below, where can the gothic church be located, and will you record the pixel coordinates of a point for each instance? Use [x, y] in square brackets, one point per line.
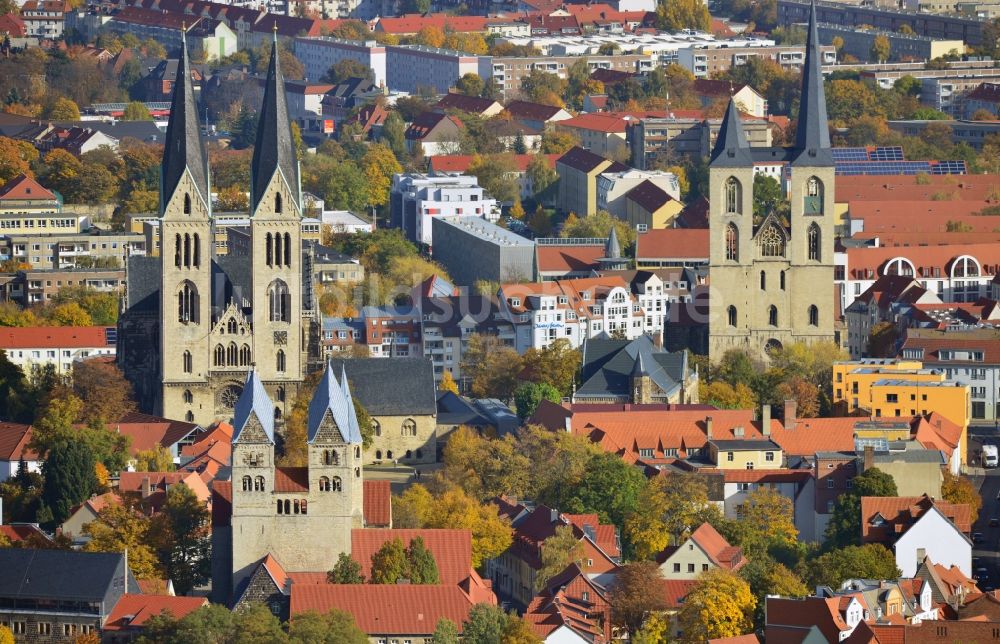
[771, 276]
[193, 322]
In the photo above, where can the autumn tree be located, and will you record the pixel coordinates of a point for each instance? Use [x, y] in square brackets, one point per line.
[471, 84]
[556, 365]
[448, 383]
[345, 571]
[136, 111]
[106, 394]
[345, 69]
[558, 462]
[632, 597]
[804, 393]
[64, 109]
[497, 174]
[543, 87]
[559, 551]
[389, 563]
[720, 605]
[880, 49]
[725, 396]
[870, 561]
[378, 165]
[669, 508]
[155, 459]
[491, 367]
[491, 533]
[412, 509]
[484, 468]
[294, 448]
[767, 524]
[540, 173]
[958, 489]
[882, 340]
[119, 526]
[599, 224]
[675, 15]
[768, 577]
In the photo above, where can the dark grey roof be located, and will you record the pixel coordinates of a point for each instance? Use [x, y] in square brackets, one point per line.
[608, 366]
[812, 138]
[143, 283]
[613, 249]
[62, 575]
[274, 150]
[236, 273]
[453, 312]
[453, 409]
[731, 147]
[740, 445]
[184, 149]
[391, 386]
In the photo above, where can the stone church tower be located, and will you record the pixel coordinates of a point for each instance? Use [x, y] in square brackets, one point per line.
[303, 516]
[215, 316]
[771, 276]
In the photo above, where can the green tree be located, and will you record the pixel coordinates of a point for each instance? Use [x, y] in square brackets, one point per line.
[470, 84]
[880, 49]
[136, 111]
[675, 15]
[345, 571]
[185, 552]
[720, 605]
[208, 625]
[870, 561]
[497, 174]
[389, 563]
[541, 174]
[558, 551]
[767, 196]
[631, 596]
[844, 528]
[485, 625]
[768, 577]
[64, 109]
[446, 632]
[543, 87]
[345, 69]
[529, 395]
[558, 142]
[334, 627]
[393, 131]
[610, 487]
[599, 224]
[555, 365]
[420, 561]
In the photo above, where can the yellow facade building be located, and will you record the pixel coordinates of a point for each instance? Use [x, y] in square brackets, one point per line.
[762, 454]
[852, 380]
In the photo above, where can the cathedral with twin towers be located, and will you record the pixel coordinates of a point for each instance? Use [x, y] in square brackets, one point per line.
[193, 321]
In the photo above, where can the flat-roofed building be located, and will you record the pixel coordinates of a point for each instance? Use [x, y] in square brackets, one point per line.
[473, 249]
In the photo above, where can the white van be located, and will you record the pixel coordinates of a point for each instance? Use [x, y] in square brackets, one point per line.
[989, 455]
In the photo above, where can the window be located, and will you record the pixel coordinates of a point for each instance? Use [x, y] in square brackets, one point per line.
[813, 239]
[813, 315]
[18, 628]
[892, 398]
[279, 301]
[177, 250]
[772, 315]
[220, 356]
[330, 457]
[335, 484]
[232, 355]
[813, 200]
[188, 396]
[763, 281]
[245, 355]
[677, 567]
[45, 628]
[280, 361]
[733, 196]
[376, 427]
[189, 416]
[247, 484]
[691, 567]
[409, 427]
[772, 242]
[782, 280]
[704, 567]
[277, 203]
[729, 456]
[187, 362]
[258, 484]
[731, 314]
[187, 303]
[732, 243]
[769, 456]
[269, 250]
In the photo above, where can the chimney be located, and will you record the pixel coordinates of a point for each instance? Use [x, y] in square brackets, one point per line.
[869, 458]
[790, 408]
[146, 491]
[708, 427]
[765, 419]
[553, 515]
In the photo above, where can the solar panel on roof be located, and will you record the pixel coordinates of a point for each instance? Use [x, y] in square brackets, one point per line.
[111, 335]
[879, 444]
[849, 154]
[889, 153]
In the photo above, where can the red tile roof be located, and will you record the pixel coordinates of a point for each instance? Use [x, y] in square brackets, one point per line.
[133, 482]
[934, 344]
[605, 122]
[568, 259]
[461, 162]
[378, 504]
[583, 160]
[54, 337]
[412, 23]
[277, 572]
[134, 611]
[17, 533]
[222, 503]
[23, 187]
[11, 25]
[471, 104]
[868, 263]
[787, 619]
[605, 535]
[147, 430]
[718, 550]
[680, 243]
[525, 110]
[291, 479]
[381, 609]
[14, 439]
[812, 435]
[675, 590]
[975, 187]
[901, 512]
[452, 549]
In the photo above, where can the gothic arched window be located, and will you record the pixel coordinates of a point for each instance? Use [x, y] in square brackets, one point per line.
[189, 416]
[247, 483]
[409, 427]
[188, 362]
[187, 250]
[733, 196]
[782, 280]
[288, 250]
[324, 484]
[813, 315]
[732, 243]
[280, 361]
[232, 355]
[187, 303]
[177, 250]
[277, 203]
[231, 326]
[376, 427]
[220, 356]
[280, 394]
[245, 355]
[268, 250]
[731, 314]
[258, 484]
[772, 242]
[763, 281]
[336, 484]
[812, 241]
[187, 204]
[197, 250]
[772, 315]
[279, 301]
[812, 201]
[188, 396]
[277, 249]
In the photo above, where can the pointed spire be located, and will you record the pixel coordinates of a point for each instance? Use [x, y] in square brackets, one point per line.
[274, 152]
[183, 150]
[335, 398]
[639, 366]
[254, 401]
[812, 137]
[731, 147]
[613, 249]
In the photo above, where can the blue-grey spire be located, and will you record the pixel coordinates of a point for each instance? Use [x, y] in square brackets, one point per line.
[731, 147]
[812, 136]
[254, 401]
[274, 152]
[184, 150]
[613, 249]
[335, 398]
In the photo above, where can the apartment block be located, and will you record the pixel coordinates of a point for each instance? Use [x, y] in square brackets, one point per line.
[410, 68]
[690, 136]
[708, 60]
[54, 250]
[39, 286]
[320, 54]
[416, 199]
[858, 43]
[473, 249]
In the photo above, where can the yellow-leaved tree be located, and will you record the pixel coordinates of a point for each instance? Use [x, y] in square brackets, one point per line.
[720, 605]
[448, 383]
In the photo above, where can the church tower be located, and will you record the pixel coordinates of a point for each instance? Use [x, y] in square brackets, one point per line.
[771, 274]
[187, 250]
[275, 223]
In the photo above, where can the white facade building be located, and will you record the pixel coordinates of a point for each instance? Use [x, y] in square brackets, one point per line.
[934, 536]
[318, 55]
[613, 186]
[416, 199]
[32, 348]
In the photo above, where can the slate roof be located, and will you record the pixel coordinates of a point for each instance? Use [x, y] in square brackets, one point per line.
[184, 149]
[608, 365]
[253, 400]
[143, 284]
[412, 391]
[335, 398]
[471, 104]
[812, 138]
[59, 575]
[731, 147]
[274, 150]
[648, 196]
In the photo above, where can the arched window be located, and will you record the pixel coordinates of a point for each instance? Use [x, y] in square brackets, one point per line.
[220, 356]
[732, 243]
[324, 484]
[965, 266]
[782, 280]
[189, 416]
[812, 241]
[277, 203]
[280, 394]
[376, 427]
[812, 201]
[187, 250]
[813, 315]
[295, 505]
[331, 457]
[378, 455]
[409, 454]
[288, 506]
[197, 250]
[357, 452]
[302, 504]
[733, 196]
[279, 301]
[247, 484]
[731, 314]
[187, 303]
[245, 355]
[177, 250]
[277, 413]
[268, 250]
[280, 507]
[277, 249]
[258, 484]
[187, 204]
[388, 454]
[772, 242]
[188, 396]
[763, 281]
[772, 315]
[188, 362]
[899, 266]
[288, 250]
[279, 359]
[232, 355]
[409, 427]
[357, 472]
[336, 484]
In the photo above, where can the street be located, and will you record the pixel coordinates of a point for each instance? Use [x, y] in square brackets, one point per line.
[986, 554]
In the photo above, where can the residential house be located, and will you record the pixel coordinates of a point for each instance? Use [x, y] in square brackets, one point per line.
[602, 133]
[614, 187]
[578, 170]
[14, 450]
[880, 303]
[749, 100]
[574, 607]
[147, 431]
[949, 586]
[86, 512]
[535, 115]
[798, 486]
[569, 257]
[650, 207]
[150, 488]
[634, 371]
[484, 107]
[33, 348]
[435, 133]
[459, 164]
[415, 199]
[132, 613]
[812, 619]
[449, 321]
[657, 248]
[919, 527]
[704, 550]
[43, 19]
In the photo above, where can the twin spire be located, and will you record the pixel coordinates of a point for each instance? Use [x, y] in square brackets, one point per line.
[812, 136]
[184, 149]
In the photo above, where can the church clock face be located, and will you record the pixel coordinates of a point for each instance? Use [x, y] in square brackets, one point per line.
[230, 395]
[813, 205]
